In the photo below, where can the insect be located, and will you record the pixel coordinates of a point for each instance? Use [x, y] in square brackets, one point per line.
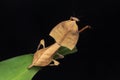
[66, 34]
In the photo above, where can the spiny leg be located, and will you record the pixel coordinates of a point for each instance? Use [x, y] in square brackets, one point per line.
[55, 63]
[42, 42]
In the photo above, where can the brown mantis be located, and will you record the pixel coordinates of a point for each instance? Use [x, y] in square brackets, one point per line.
[66, 34]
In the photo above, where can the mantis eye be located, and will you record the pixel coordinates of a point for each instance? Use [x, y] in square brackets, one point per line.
[74, 19]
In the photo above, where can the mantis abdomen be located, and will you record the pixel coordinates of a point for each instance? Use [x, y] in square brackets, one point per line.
[45, 55]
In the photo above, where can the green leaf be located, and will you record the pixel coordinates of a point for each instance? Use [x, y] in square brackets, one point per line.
[16, 68]
[65, 51]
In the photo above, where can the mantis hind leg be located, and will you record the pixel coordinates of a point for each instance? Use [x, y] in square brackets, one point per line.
[42, 42]
[59, 56]
[55, 63]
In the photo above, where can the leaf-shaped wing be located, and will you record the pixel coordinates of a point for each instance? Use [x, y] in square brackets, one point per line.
[66, 33]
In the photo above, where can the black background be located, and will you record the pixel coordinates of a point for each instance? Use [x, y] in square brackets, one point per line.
[24, 22]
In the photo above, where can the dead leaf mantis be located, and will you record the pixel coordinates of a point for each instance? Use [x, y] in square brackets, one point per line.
[66, 34]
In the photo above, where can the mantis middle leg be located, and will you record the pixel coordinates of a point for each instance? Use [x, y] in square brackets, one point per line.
[55, 63]
[42, 42]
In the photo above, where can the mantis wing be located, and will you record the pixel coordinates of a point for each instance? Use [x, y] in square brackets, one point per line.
[66, 33]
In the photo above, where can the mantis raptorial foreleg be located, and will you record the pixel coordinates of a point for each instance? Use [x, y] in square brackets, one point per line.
[81, 30]
[42, 42]
[55, 63]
